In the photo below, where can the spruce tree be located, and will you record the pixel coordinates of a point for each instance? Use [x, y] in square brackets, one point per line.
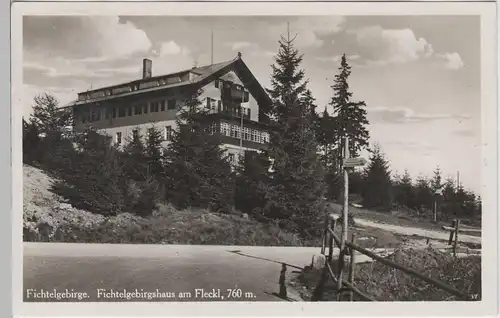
[252, 181]
[153, 152]
[405, 195]
[350, 115]
[134, 158]
[95, 181]
[198, 172]
[377, 192]
[297, 185]
[31, 143]
[424, 193]
[436, 182]
[52, 126]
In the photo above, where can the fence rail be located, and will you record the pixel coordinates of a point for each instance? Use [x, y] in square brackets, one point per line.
[350, 248]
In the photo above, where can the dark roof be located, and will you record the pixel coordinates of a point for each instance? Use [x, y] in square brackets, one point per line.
[205, 74]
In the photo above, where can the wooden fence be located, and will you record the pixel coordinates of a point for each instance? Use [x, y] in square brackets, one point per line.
[454, 230]
[331, 241]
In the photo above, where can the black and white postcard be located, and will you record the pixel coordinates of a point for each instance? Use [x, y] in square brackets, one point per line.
[254, 158]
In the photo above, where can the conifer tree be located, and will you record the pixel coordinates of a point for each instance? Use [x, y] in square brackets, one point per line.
[297, 185]
[436, 182]
[377, 192]
[51, 123]
[424, 193]
[405, 194]
[95, 181]
[198, 172]
[252, 181]
[153, 152]
[31, 143]
[134, 158]
[350, 115]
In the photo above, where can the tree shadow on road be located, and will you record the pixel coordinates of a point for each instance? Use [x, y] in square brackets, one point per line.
[238, 252]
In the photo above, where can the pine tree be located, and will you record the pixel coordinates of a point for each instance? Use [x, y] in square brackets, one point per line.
[135, 165]
[50, 120]
[377, 188]
[31, 143]
[436, 182]
[198, 172]
[424, 194]
[405, 195]
[95, 181]
[287, 82]
[297, 185]
[153, 152]
[252, 181]
[350, 115]
[52, 126]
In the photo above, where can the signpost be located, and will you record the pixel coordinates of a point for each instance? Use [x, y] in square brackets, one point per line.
[347, 163]
[354, 162]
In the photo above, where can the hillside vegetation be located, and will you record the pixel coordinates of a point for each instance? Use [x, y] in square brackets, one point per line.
[48, 217]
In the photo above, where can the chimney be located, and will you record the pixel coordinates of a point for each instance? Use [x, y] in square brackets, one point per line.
[147, 68]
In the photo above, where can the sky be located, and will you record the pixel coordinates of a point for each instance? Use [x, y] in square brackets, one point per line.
[419, 75]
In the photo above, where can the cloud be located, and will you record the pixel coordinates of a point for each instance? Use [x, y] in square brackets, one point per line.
[84, 37]
[337, 58]
[307, 30]
[239, 45]
[172, 48]
[453, 61]
[408, 116]
[386, 46]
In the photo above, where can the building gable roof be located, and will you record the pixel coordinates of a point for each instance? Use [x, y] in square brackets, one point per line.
[204, 75]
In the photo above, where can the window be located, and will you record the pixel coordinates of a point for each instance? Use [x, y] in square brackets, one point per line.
[219, 105]
[265, 137]
[208, 102]
[168, 133]
[225, 129]
[162, 106]
[233, 131]
[154, 107]
[246, 97]
[135, 134]
[145, 108]
[118, 138]
[108, 113]
[217, 85]
[129, 111]
[238, 131]
[121, 112]
[138, 109]
[230, 157]
[246, 132]
[171, 104]
[253, 137]
[114, 112]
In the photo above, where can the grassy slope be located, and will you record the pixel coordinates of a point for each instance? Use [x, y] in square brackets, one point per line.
[48, 215]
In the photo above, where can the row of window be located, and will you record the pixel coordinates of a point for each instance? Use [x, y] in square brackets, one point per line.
[246, 133]
[167, 134]
[158, 106]
[226, 129]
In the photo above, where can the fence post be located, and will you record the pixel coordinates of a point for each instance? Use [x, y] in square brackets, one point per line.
[331, 243]
[450, 241]
[325, 234]
[457, 224]
[351, 266]
[345, 210]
